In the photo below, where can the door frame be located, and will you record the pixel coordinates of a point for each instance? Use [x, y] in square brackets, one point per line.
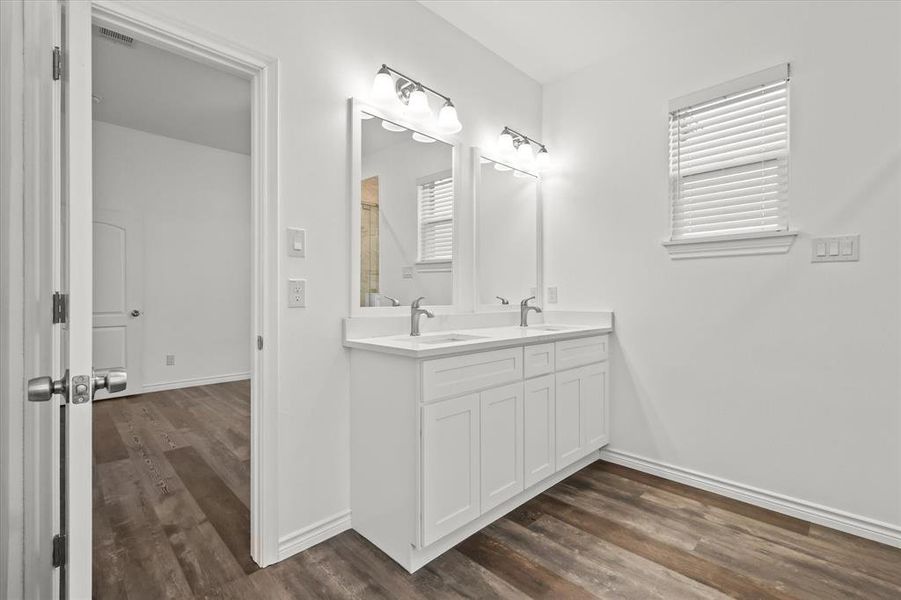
[262, 72]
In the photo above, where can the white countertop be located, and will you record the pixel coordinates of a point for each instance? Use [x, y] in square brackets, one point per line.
[441, 343]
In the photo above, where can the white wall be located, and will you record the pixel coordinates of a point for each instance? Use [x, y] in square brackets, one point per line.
[193, 203]
[329, 51]
[767, 370]
[399, 168]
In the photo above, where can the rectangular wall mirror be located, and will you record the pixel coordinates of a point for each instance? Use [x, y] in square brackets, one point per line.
[406, 215]
[507, 233]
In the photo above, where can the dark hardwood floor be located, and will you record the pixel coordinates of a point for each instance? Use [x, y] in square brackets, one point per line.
[171, 520]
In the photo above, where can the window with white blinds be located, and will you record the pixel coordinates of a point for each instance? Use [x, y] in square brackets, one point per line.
[729, 159]
[436, 218]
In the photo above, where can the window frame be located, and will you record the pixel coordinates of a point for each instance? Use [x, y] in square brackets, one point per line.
[768, 242]
[434, 264]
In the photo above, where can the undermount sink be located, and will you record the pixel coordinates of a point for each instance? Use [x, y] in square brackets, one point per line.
[551, 327]
[447, 338]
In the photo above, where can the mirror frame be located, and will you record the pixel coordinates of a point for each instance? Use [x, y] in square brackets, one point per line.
[476, 166]
[462, 214]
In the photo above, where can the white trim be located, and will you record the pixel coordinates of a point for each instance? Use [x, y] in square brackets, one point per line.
[734, 86]
[778, 242]
[262, 71]
[864, 527]
[308, 537]
[193, 382]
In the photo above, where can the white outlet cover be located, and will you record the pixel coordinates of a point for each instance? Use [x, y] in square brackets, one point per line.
[297, 293]
[552, 294]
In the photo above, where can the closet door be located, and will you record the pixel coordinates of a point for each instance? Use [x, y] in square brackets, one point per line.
[450, 465]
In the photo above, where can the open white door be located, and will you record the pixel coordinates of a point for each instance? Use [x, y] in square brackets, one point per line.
[60, 258]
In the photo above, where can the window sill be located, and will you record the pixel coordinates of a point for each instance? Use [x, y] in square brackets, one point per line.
[777, 242]
[435, 266]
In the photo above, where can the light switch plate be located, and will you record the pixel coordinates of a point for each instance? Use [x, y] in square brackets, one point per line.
[552, 294]
[840, 248]
[297, 293]
[297, 242]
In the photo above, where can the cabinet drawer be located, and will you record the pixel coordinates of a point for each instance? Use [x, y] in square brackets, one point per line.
[579, 352]
[539, 360]
[458, 375]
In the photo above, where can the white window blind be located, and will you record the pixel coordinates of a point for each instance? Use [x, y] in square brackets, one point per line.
[436, 218]
[729, 162]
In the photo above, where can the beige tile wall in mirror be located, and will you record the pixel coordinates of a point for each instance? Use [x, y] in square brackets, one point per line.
[407, 217]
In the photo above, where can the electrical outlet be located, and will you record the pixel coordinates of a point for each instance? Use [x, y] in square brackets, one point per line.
[297, 293]
[552, 294]
[406, 272]
[170, 360]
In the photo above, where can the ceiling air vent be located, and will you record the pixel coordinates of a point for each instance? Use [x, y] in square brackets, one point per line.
[116, 36]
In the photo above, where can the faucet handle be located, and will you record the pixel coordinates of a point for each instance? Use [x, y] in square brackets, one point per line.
[525, 302]
[503, 300]
[417, 301]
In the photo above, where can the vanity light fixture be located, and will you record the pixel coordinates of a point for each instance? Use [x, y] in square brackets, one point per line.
[388, 125]
[412, 94]
[514, 144]
[422, 138]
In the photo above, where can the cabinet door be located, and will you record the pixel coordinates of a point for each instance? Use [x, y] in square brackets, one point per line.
[450, 465]
[538, 429]
[594, 383]
[501, 447]
[568, 417]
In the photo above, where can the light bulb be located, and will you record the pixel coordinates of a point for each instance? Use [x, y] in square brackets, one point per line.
[543, 160]
[418, 104]
[422, 138]
[383, 85]
[505, 143]
[524, 153]
[392, 126]
[447, 118]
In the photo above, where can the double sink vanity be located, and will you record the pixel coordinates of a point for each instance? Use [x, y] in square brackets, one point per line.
[451, 430]
[457, 424]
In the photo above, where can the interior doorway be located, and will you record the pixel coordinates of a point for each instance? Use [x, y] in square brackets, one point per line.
[185, 214]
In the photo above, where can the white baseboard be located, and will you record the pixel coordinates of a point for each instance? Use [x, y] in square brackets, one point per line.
[185, 383]
[864, 527]
[308, 537]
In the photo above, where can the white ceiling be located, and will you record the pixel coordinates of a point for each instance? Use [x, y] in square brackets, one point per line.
[143, 87]
[550, 39]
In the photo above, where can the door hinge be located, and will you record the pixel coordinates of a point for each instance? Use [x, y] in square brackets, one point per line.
[60, 307]
[59, 550]
[259, 342]
[57, 63]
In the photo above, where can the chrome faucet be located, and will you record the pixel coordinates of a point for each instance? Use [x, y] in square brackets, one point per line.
[394, 301]
[524, 309]
[415, 313]
[503, 300]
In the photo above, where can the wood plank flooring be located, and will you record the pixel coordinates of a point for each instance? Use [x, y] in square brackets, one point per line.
[171, 520]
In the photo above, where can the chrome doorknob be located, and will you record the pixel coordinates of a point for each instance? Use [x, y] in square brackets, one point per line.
[111, 380]
[136, 313]
[41, 389]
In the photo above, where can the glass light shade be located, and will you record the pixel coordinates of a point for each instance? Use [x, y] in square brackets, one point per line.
[543, 160]
[524, 154]
[447, 119]
[422, 138]
[499, 167]
[418, 104]
[383, 86]
[365, 116]
[505, 143]
[392, 126]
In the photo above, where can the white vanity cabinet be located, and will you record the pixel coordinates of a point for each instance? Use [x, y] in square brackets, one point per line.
[441, 446]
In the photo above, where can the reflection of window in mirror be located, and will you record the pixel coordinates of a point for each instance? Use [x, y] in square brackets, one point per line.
[507, 234]
[436, 218]
[406, 211]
